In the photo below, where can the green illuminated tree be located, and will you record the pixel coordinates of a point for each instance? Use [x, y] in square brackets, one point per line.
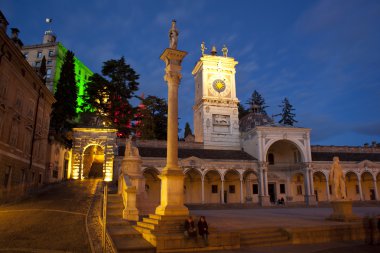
[258, 100]
[108, 95]
[64, 109]
[287, 115]
[187, 130]
[154, 118]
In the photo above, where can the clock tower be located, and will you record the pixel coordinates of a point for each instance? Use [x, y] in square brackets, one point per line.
[216, 121]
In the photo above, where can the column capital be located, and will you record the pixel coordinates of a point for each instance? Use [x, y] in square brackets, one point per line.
[173, 77]
[263, 165]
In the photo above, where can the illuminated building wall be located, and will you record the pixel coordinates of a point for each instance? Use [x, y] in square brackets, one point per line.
[54, 53]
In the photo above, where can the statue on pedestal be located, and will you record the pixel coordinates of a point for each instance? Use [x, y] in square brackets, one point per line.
[130, 150]
[336, 180]
[173, 36]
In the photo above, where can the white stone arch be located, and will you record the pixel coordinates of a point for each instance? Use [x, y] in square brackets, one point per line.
[210, 183]
[192, 185]
[352, 186]
[367, 186]
[321, 187]
[232, 185]
[300, 146]
[85, 137]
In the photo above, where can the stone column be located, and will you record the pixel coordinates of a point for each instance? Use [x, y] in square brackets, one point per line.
[222, 191]
[328, 190]
[311, 182]
[289, 192]
[375, 186]
[203, 189]
[360, 188]
[264, 198]
[241, 191]
[172, 177]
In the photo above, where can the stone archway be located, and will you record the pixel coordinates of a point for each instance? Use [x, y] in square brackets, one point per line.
[103, 138]
[93, 160]
[368, 188]
[152, 188]
[321, 186]
[298, 187]
[193, 186]
[212, 186]
[352, 186]
[251, 189]
[232, 187]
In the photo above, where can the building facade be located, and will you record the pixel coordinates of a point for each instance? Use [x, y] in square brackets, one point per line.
[25, 107]
[54, 53]
[252, 160]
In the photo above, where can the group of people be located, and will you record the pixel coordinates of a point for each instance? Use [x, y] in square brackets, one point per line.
[191, 231]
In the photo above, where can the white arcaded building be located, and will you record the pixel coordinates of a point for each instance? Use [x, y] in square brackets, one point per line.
[252, 160]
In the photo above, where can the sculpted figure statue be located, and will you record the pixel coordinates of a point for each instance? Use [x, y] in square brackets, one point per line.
[336, 179]
[173, 36]
[225, 51]
[130, 150]
[203, 47]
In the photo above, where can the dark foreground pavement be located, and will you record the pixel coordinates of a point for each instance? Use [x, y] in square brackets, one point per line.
[52, 221]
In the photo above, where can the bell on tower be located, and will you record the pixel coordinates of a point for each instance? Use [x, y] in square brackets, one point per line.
[213, 51]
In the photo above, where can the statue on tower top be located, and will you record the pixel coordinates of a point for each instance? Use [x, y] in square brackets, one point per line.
[225, 51]
[173, 35]
[203, 47]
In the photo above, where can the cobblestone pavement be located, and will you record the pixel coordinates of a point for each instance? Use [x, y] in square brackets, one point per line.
[54, 220]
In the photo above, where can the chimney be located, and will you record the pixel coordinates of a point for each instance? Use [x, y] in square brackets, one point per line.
[3, 22]
[15, 38]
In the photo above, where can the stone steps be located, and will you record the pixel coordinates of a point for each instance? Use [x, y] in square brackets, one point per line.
[122, 233]
[263, 237]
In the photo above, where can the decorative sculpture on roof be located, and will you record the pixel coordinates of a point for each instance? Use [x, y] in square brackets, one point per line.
[336, 180]
[225, 51]
[173, 35]
[203, 48]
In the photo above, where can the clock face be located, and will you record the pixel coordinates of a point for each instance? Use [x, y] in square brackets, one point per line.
[219, 85]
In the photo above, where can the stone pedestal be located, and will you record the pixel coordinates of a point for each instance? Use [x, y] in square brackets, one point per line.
[342, 211]
[310, 200]
[264, 200]
[172, 182]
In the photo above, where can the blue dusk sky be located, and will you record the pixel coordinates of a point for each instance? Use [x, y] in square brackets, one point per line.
[324, 56]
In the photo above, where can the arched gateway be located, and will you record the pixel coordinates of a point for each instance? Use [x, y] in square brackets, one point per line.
[93, 153]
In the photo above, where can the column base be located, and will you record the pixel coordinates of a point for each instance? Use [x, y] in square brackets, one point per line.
[264, 200]
[310, 200]
[131, 214]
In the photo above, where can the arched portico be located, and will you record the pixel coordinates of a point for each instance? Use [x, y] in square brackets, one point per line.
[212, 187]
[298, 187]
[321, 186]
[251, 189]
[352, 186]
[368, 186]
[193, 186]
[232, 187]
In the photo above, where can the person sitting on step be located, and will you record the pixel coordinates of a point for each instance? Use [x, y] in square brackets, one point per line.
[190, 230]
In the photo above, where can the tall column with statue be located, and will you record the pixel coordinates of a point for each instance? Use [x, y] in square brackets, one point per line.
[172, 177]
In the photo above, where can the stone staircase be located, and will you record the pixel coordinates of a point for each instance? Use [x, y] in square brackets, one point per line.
[263, 237]
[121, 232]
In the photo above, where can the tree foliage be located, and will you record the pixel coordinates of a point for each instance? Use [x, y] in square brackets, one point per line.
[152, 120]
[187, 130]
[64, 109]
[287, 115]
[242, 111]
[108, 95]
[258, 100]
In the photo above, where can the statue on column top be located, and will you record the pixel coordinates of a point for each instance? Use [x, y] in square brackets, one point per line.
[130, 150]
[173, 35]
[336, 179]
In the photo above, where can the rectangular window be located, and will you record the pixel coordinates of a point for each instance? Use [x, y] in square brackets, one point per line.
[48, 73]
[330, 189]
[299, 189]
[40, 178]
[231, 188]
[26, 54]
[49, 63]
[55, 173]
[6, 176]
[37, 64]
[214, 188]
[357, 189]
[255, 189]
[282, 188]
[51, 53]
[39, 54]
